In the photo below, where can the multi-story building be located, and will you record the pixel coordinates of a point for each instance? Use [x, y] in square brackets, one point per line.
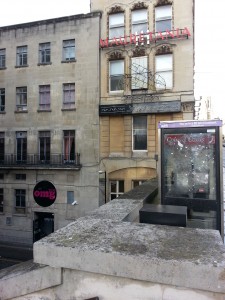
[49, 128]
[147, 66]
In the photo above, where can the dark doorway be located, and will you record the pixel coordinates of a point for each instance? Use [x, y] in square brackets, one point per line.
[43, 225]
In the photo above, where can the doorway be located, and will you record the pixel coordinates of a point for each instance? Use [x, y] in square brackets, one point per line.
[43, 225]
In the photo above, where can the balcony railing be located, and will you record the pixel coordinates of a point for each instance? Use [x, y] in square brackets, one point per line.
[35, 160]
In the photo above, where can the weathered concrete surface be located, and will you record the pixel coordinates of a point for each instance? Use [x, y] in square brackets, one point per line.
[184, 257]
[26, 278]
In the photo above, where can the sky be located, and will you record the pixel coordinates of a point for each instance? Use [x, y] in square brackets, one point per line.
[209, 52]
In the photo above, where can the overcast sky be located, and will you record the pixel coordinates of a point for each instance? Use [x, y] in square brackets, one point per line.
[209, 53]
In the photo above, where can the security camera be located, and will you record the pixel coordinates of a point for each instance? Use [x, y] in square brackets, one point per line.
[74, 202]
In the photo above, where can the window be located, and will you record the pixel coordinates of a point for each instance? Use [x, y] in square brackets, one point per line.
[44, 146]
[2, 58]
[139, 73]
[69, 95]
[68, 50]
[164, 71]
[21, 176]
[1, 200]
[140, 133]
[116, 25]
[116, 71]
[163, 18]
[44, 97]
[2, 146]
[44, 53]
[69, 146]
[21, 56]
[70, 197]
[20, 200]
[139, 21]
[116, 188]
[21, 146]
[21, 98]
[2, 100]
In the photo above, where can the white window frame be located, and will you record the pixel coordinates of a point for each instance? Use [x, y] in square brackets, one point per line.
[163, 14]
[44, 97]
[68, 95]
[139, 21]
[116, 25]
[21, 98]
[45, 53]
[113, 74]
[139, 131]
[21, 194]
[69, 50]
[2, 58]
[2, 99]
[118, 192]
[164, 72]
[21, 56]
[139, 73]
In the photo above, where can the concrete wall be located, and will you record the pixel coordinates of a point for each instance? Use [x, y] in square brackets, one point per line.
[108, 255]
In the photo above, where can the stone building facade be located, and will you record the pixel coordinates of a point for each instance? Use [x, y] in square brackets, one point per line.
[49, 128]
[147, 65]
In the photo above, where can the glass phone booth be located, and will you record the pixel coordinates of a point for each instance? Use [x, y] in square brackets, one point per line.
[191, 172]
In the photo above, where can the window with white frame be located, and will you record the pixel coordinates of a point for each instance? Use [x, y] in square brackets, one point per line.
[20, 200]
[44, 53]
[21, 98]
[116, 25]
[2, 58]
[68, 95]
[140, 133]
[44, 146]
[21, 146]
[69, 146]
[164, 71]
[116, 75]
[44, 97]
[21, 56]
[69, 50]
[2, 100]
[2, 146]
[116, 188]
[139, 73]
[163, 18]
[1, 199]
[139, 21]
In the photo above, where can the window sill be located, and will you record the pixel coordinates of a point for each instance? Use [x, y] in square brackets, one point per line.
[44, 64]
[3, 68]
[21, 111]
[43, 110]
[112, 93]
[68, 61]
[19, 214]
[22, 66]
[2, 112]
[68, 109]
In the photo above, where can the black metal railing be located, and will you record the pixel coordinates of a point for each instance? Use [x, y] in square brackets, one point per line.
[50, 160]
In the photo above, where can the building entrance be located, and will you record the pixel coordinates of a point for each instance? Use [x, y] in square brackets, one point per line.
[43, 225]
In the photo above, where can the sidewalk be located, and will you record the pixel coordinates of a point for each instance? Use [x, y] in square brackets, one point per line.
[11, 254]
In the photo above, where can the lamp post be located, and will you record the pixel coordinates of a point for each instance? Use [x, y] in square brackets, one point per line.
[103, 172]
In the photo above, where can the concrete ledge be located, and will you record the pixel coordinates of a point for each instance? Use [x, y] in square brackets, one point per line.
[27, 277]
[184, 257]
